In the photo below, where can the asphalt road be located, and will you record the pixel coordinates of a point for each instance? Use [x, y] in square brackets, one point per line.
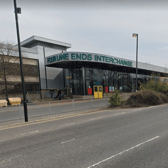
[125, 138]
[50, 108]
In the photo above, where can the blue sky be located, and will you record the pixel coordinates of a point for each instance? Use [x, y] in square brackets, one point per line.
[98, 26]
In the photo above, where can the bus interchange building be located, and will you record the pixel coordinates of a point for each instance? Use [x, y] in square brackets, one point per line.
[56, 67]
[83, 70]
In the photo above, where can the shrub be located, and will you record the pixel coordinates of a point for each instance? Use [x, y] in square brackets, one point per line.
[115, 100]
[146, 98]
[156, 85]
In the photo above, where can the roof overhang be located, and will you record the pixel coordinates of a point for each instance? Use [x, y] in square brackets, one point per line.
[79, 59]
[34, 39]
[86, 57]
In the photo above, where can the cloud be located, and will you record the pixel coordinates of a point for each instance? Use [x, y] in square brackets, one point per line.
[163, 48]
[94, 26]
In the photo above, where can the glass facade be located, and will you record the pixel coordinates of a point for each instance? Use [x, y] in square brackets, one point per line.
[83, 78]
[73, 77]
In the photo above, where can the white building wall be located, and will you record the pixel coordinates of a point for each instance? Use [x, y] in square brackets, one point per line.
[54, 75]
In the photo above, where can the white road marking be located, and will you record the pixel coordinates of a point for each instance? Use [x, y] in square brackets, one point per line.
[7, 160]
[95, 118]
[137, 109]
[102, 117]
[67, 124]
[33, 132]
[120, 113]
[67, 141]
[61, 126]
[123, 152]
[162, 113]
[28, 133]
[21, 134]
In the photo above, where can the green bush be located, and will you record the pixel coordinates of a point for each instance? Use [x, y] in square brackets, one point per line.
[155, 85]
[154, 92]
[115, 100]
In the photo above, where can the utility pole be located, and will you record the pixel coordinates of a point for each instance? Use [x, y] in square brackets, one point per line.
[18, 10]
[136, 35]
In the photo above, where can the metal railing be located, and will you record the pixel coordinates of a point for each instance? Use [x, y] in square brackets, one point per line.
[56, 108]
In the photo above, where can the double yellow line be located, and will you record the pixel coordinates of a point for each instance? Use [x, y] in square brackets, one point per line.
[23, 124]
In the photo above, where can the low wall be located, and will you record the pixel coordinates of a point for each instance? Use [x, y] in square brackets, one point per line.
[10, 95]
[31, 96]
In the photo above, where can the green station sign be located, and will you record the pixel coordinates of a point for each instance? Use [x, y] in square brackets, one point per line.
[87, 57]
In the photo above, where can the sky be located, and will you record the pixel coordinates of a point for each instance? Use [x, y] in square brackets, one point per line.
[98, 26]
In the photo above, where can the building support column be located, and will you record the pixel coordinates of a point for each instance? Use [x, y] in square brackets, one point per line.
[132, 83]
[83, 77]
[45, 69]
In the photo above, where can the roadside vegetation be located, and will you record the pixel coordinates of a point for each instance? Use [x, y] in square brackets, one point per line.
[154, 92]
[115, 99]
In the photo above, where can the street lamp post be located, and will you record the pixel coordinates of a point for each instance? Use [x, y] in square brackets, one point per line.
[18, 10]
[136, 35]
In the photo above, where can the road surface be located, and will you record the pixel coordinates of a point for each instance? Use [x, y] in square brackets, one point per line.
[124, 138]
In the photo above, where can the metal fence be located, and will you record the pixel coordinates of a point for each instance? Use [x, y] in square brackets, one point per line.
[59, 107]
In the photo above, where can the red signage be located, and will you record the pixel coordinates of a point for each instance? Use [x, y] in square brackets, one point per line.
[89, 91]
[106, 89]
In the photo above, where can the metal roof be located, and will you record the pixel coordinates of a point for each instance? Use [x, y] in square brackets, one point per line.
[33, 39]
[76, 62]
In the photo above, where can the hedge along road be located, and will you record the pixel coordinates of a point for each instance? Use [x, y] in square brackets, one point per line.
[50, 108]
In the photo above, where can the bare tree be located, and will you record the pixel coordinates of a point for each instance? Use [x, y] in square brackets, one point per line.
[10, 75]
[8, 60]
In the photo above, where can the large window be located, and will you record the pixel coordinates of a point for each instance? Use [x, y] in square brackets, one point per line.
[10, 76]
[73, 77]
[123, 81]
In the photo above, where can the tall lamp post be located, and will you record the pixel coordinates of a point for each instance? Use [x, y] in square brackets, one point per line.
[18, 10]
[136, 35]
